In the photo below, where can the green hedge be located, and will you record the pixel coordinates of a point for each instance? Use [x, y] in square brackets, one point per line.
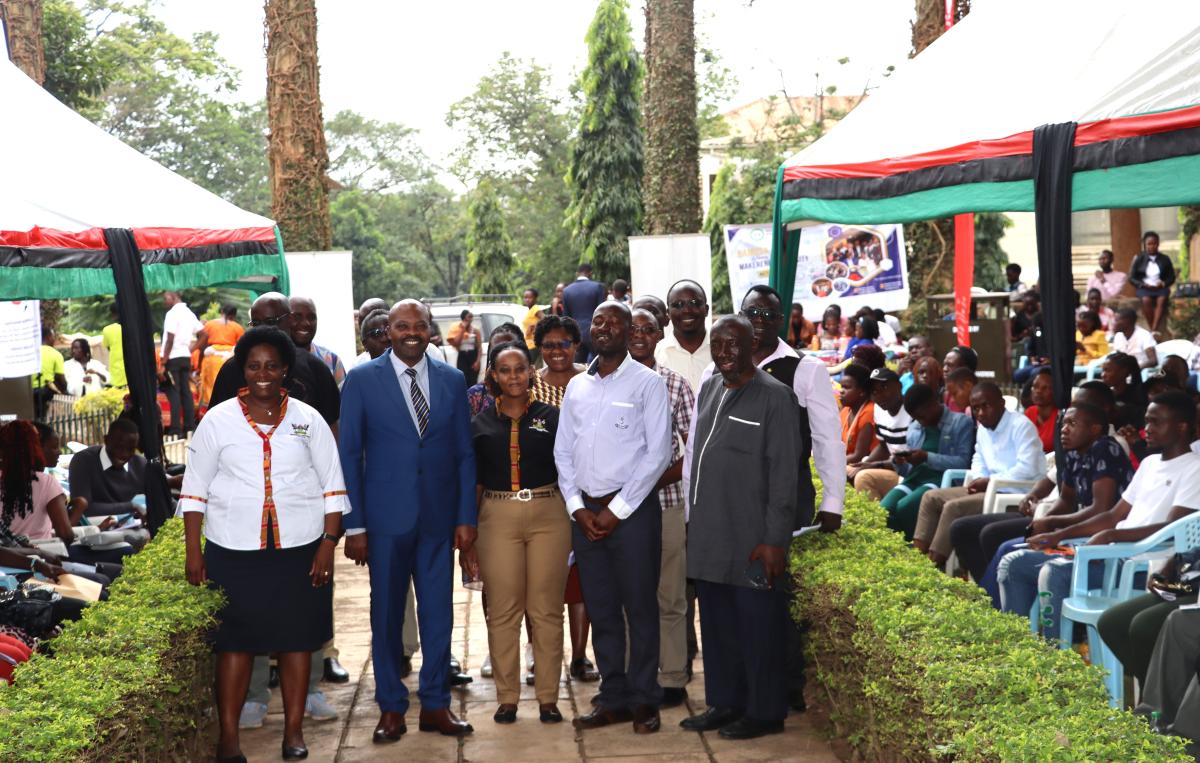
[131, 681]
[917, 665]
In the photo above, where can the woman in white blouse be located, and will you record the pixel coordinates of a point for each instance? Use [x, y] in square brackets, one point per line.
[84, 373]
[265, 481]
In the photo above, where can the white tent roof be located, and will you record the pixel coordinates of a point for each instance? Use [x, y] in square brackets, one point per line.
[1013, 65]
[63, 172]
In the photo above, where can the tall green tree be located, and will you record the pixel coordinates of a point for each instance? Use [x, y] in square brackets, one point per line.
[605, 173]
[742, 194]
[671, 184]
[517, 131]
[489, 250]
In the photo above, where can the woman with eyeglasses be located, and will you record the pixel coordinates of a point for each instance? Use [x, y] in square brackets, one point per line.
[524, 530]
[558, 338]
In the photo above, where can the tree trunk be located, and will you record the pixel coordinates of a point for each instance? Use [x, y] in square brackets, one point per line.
[671, 180]
[1125, 235]
[296, 149]
[23, 22]
[930, 22]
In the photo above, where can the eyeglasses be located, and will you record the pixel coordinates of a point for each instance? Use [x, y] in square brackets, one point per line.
[761, 312]
[679, 304]
[269, 321]
[648, 329]
[377, 333]
[564, 344]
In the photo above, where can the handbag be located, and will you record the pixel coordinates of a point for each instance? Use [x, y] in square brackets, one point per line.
[31, 611]
[1182, 579]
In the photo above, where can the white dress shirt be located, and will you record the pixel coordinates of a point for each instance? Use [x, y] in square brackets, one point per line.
[75, 371]
[814, 391]
[184, 324]
[227, 471]
[422, 369]
[690, 365]
[1011, 451]
[614, 434]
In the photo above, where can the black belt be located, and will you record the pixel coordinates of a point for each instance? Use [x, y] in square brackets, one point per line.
[523, 495]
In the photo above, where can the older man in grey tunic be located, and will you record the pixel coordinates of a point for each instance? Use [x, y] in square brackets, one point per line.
[739, 530]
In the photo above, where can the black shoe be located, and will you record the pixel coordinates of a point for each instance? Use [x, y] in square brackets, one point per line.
[455, 665]
[334, 672]
[549, 714]
[748, 728]
[406, 667]
[673, 697]
[294, 753]
[711, 719]
[796, 701]
[460, 679]
[505, 714]
[273, 677]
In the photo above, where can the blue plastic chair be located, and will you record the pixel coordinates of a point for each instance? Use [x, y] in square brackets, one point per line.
[951, 477]
[1122, 561]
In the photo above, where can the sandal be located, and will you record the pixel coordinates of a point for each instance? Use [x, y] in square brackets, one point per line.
[582, 669]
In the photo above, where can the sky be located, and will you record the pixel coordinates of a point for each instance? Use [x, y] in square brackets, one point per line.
[407, 61]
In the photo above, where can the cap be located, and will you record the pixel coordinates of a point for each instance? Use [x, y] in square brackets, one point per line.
[883, 375]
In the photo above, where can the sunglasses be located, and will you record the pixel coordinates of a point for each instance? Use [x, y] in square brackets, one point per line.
[762, 312]
[679, 304]
[377, 333]
[564, 344]
[269, 321]
[647, 330]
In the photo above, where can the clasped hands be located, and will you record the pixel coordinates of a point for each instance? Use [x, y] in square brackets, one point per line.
[596, 525]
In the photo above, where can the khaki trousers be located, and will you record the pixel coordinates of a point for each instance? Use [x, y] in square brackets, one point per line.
[876, 482]
[672, 601]
[523, 549]
[939, 509]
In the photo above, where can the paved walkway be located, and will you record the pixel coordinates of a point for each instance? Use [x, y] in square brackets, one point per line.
[348, 739]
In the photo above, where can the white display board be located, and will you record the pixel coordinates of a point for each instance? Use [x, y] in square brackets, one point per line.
[325, 278]
[20, 339]
[656, 262]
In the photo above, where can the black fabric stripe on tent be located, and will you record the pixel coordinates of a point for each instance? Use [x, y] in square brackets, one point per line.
[53, 257]
[1102, 155]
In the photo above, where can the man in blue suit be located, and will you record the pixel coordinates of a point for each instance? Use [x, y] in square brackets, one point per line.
[406, 452]
[580, 299]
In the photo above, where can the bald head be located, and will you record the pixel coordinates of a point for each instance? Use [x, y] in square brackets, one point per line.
[272, 309]
[655, 306]
[732, 344]
[371, 305]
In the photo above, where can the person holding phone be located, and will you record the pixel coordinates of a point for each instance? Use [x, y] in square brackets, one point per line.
[747, 423]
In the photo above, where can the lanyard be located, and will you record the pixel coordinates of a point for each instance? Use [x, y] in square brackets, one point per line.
[270, 518]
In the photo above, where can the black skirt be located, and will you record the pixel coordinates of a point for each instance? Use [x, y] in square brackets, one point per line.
[270, 602]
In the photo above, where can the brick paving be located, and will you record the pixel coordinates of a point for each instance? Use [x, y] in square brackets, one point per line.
[348, 739]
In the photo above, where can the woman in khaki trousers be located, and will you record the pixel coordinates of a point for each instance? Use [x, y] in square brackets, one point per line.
[524, 531]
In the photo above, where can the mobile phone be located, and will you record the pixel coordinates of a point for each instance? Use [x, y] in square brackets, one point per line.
[756, 574]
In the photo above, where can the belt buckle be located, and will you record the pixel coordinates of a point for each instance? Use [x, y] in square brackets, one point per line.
[525, 495]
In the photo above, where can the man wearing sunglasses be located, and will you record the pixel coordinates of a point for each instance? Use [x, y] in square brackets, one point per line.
[685, 347]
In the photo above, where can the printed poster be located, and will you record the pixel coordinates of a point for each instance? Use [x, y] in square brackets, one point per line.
[20, 339]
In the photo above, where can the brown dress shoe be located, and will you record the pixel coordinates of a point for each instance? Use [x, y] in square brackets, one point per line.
[645, 719]
[603, 716]
[390, 728]
[444, 722]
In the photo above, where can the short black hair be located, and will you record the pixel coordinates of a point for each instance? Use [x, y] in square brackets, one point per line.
[584, 267]
[621, 284]
[265, 335]
[47, 331]
[124, 425]
[508, 326]
[555, 322]
[533, 290]
[859, 373]
[870, 327]
[766, 291]
[988, 388]
[494, 352]
[1150, 234]
[463, 315]
[229, 310]
[970, 358]
[1097, 387]
[1127, 313]
[688, 282]
[1091, 317]
[962, 374]
[1093, 413]
[1181, 406]
[870, 355]
[918, 396]
[880, 315]
[1012, 267]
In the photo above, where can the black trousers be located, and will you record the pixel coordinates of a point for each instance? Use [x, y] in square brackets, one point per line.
[179, 395]
[744, 631]
[977, 538]
[619, 578]
[1130, 629]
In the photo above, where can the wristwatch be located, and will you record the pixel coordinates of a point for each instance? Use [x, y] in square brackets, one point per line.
[330, 537]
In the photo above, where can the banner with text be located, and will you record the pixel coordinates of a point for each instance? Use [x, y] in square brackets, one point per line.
[852, 265]
[20, 339]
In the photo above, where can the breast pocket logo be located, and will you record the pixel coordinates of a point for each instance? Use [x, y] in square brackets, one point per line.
[299, 430]
[539, 425]
[621, 423]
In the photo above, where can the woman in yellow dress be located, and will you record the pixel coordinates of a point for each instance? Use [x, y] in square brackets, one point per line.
[215, 345]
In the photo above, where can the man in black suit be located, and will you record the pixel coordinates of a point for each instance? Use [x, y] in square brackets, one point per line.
[580, 299]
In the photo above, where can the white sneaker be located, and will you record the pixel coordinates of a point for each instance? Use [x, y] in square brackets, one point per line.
[253, 715]
[318, 708]
[486, 670]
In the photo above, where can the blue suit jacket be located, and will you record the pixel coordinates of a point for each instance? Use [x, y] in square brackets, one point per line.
[580, 300]
[396, 480]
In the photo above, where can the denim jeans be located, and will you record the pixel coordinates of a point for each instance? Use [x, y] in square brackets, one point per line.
[1025, 574]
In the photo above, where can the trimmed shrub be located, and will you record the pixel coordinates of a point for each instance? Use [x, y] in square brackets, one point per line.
[917, 665]
[130, 681]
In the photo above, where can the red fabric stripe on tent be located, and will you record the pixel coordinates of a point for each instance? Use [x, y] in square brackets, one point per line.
[187, 238]
[1013, 145]
[92, 238]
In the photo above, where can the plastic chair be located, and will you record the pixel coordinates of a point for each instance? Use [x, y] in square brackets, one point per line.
[1121, 562]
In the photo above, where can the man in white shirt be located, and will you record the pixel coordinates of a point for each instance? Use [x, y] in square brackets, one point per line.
[1007, 447]
[684, 349]
[180, 327]
[1163, 489]
[878, 474]
[1134, 340]
[613, 445]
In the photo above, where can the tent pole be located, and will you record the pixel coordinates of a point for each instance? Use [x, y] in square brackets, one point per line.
[137, 339]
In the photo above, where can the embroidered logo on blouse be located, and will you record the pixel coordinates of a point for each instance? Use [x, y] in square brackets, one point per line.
[299, 430]
[539, 425]
[621, 423]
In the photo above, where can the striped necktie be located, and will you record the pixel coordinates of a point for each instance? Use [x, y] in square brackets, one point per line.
[419, 403]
